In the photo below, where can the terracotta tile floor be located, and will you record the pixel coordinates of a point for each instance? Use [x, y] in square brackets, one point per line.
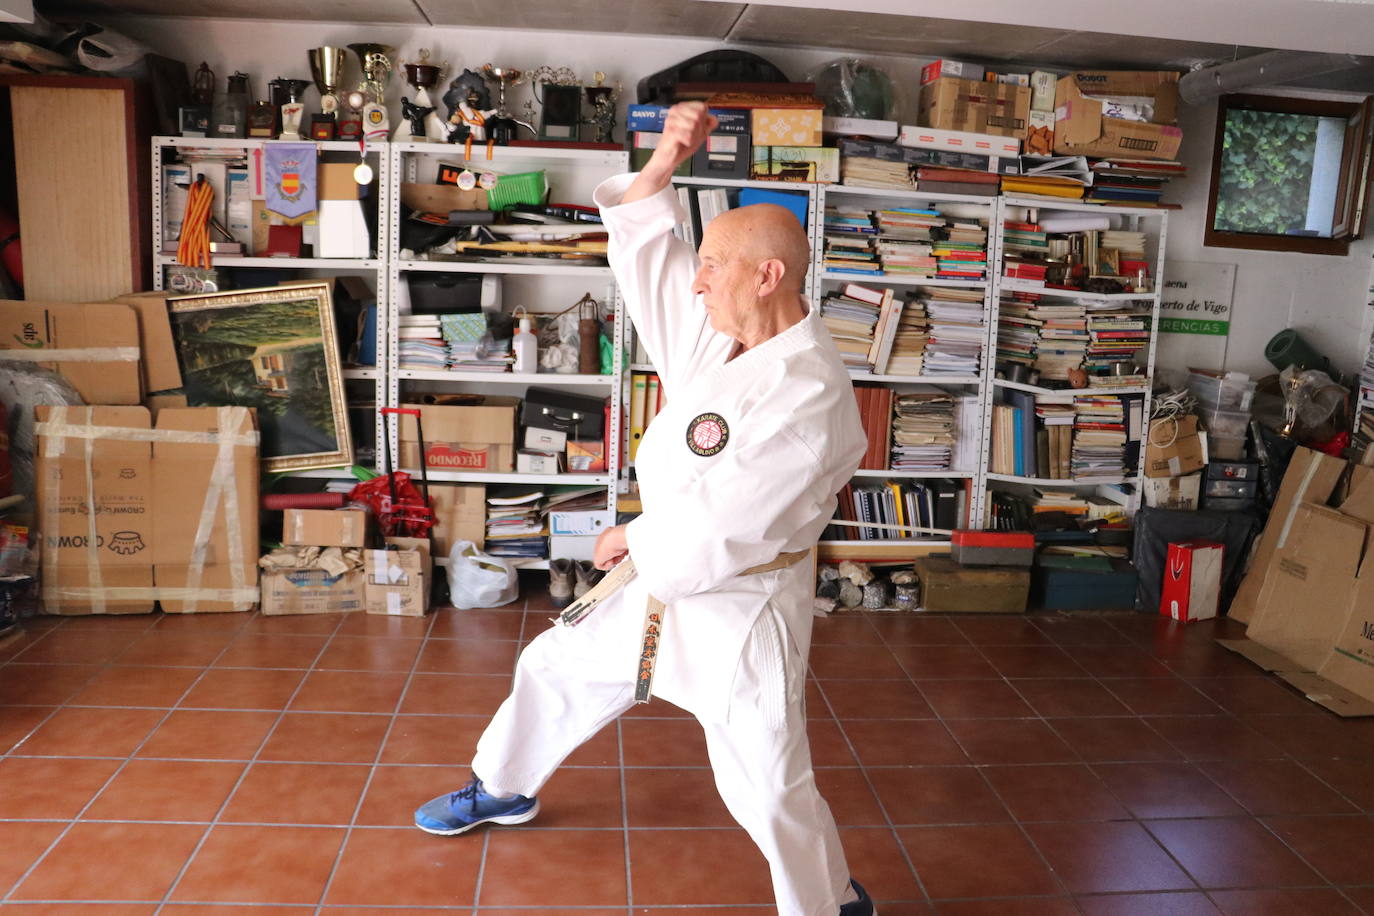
[1049, 763]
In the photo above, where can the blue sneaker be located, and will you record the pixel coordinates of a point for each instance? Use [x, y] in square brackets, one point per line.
[861, 907]
[460, 811]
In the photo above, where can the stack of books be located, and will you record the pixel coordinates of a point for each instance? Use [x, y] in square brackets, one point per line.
[1116, 336]
[420, 343]
[905, 236]
[956, 331]
[1099, 440]
[1063, 340]
[1024, 249]
[962, 254]
[1132, 181]
[938, 180]
[850, 315]
[927, 504]
[849, 247]
[1018, 330]
[923, 431]
[516, 525]
[908, 353]
[1053, 438]
[868, 172]
[875, 413]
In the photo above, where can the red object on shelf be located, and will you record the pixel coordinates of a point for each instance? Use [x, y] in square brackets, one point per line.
[282, 501]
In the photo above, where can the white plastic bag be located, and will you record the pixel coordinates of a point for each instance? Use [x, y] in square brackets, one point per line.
[476, 579]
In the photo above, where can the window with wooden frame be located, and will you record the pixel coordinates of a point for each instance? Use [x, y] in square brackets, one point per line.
[1289, 174]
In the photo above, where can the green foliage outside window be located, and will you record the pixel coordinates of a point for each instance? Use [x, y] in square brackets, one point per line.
[1266, 171]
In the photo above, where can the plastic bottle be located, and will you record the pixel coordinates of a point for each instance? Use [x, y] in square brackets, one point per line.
[526, 348]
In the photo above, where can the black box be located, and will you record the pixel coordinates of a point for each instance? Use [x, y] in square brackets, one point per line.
[1228, 503]
[1230, 489]
[722, 156]
[1233, 470]
[579, 416]
[444, 293]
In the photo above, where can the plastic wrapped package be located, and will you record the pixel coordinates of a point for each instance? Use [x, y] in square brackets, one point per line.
[23, 387]
[852, 88]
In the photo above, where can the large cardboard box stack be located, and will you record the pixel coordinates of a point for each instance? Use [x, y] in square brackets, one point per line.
[1309, 594]
[133, 514]
[317, 590]
[93, 346]
[460, 514]
[1085, 102]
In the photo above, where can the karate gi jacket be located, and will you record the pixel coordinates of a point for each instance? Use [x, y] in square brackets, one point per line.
[743, 463]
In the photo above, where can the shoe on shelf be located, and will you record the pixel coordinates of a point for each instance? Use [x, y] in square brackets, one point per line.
[561, 582]
[585, 575]
[471, 805]
[861, 907]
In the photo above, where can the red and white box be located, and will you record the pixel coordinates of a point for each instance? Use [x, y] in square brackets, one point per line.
[938, 68]
[962, 140]
[1192, 580]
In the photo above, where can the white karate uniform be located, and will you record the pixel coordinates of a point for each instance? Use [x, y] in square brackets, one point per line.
[741, 464]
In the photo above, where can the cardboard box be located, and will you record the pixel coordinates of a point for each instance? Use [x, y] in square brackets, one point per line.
[545, 440]
[460, 514]
[587, 456]
[993, 548]
[975, 105]
[796, 163]
[99, 344]
[1350, 663]
[1081, 129]
[324, 528]
[787, 126]
[1306, 596]
[581, 523]
[311, 591]
[1192, 580]
[947, 586]
[572, 547]
[918, 137]
[157, 349]
[723, 155]
[397, 581]
[1040, 133]
[336, 181]
[1173, 492]
[206, 489]
[938, 68]
[91, 545]
[651, 119]
[1065, 583]
[479, 437]
[1182, 453]
[1311, 477]
[528, 462]
[940, 158]
[343, 230]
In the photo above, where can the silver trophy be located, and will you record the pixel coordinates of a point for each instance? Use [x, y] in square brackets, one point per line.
[502, 127]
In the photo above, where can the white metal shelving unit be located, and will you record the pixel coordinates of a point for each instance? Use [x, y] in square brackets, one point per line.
[1154, 223]
[988, 209]
[544, 288]
[374, 267]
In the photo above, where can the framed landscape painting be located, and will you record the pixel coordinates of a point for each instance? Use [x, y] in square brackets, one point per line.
[273, 349]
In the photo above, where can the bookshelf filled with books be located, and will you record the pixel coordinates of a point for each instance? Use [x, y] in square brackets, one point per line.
[1073, 334]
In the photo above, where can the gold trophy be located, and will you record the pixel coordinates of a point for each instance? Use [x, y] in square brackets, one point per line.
[376, 66]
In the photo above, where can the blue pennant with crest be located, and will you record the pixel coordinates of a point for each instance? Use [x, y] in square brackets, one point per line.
[290, 178]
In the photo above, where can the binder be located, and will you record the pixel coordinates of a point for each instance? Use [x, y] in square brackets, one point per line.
[651, 395]
[638, 389]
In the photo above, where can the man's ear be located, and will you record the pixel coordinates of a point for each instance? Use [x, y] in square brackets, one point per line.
[770, 272]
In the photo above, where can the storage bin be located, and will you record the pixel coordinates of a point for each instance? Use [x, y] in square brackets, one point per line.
[1225, 423]
[1231, 488]
[444, 293]
[1222, 392]
[520, 188]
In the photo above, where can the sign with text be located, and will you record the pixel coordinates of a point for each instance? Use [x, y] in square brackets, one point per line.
[1197, 298]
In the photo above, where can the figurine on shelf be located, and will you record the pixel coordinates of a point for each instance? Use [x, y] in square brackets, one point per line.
[415, 114]
[469, 108]
[602, 100]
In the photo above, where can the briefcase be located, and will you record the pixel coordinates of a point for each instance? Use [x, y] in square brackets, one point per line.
[579, 416]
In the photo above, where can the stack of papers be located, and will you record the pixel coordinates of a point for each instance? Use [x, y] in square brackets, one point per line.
[1099, 439]
[923, 429]
[515, 524]
[956, 332]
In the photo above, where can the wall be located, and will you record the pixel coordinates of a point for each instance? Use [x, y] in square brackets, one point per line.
[1323, 296]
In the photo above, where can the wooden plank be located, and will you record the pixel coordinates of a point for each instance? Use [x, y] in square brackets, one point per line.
[74, 203]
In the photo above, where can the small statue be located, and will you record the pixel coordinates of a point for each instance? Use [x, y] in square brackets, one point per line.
[416, 115]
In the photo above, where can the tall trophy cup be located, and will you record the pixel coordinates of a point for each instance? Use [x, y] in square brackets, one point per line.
[502, 128]
[293, 108]
[376, 66]
[602, 100]
[422, 76]
[326, 68]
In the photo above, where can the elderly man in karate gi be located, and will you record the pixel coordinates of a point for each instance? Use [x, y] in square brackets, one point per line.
[738, 476]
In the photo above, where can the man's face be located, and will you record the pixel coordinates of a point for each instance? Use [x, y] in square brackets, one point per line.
[726, 282]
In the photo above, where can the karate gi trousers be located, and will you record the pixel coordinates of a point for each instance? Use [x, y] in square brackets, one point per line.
[572, 682]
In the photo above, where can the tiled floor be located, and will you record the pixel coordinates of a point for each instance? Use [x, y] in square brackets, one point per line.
[1095, 764]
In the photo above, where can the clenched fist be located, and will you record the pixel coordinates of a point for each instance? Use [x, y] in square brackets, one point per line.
[687, 127]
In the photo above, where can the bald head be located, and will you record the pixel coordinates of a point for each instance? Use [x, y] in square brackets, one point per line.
[760, 232]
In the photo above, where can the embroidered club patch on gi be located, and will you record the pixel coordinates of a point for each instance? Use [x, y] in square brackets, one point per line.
[707, 434]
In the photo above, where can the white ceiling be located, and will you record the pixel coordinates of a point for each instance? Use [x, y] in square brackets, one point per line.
[1084, 34]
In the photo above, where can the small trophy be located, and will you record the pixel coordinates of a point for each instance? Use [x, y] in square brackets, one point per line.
[422, 76]
[262, 120]
[376, 67]
[602, 99]
[293, 108]
[502, 127]
[560, 102]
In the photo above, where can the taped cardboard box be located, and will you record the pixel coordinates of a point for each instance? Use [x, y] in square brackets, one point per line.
[975, 105]
[324, 528]
[469, 437]
[1081, 128]
[460, 514]
[311, 591]
[157, 348]
[93, 346]
[397, 581]
[1311, 477]
[95, 499]
[1173, 448]
[205, 520]
[1350, 665]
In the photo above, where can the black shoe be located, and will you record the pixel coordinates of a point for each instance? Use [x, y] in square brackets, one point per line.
[861, 907]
